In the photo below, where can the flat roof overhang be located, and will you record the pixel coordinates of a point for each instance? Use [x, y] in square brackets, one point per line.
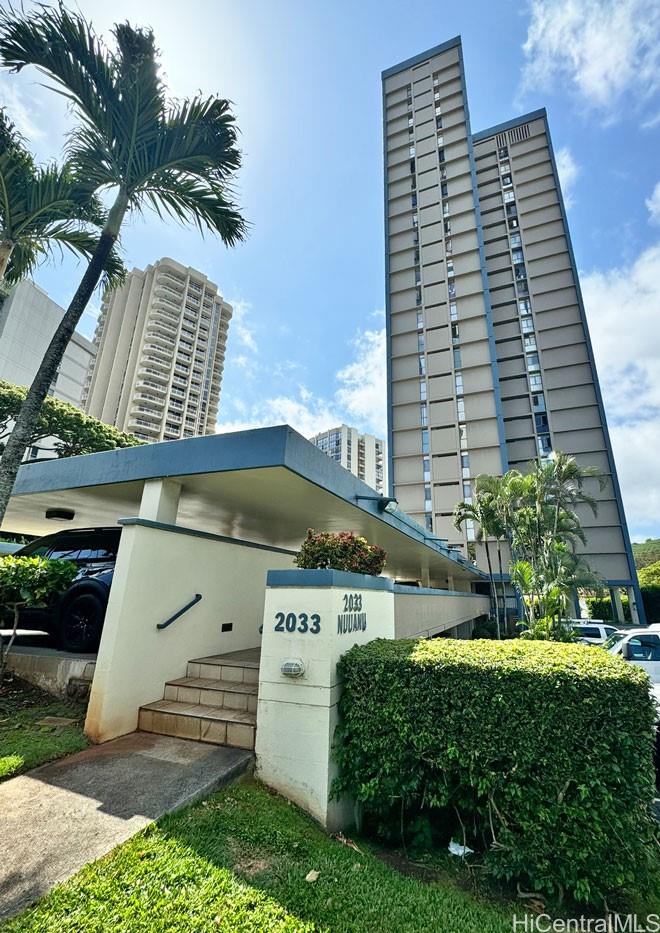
[266, 485]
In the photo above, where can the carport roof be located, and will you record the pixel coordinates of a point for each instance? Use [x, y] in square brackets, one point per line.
[266, 485]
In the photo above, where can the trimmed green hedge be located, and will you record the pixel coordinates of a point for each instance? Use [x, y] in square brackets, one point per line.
[601, 607]
[539, 752]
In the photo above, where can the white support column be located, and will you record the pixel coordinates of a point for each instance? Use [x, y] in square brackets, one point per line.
[574, 605]
[617, 605]
[632, 602]
[311, 618]
[160, 500]
[425, 577]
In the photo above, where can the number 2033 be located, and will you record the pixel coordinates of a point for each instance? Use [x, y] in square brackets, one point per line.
[298, 622]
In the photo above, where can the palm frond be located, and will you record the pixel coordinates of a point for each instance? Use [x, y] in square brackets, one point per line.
[29, 252]
[142, 93]
[83, 242]
[192, 200]
[196, 137]
[25, 258]
[178, 157]
[65, 48]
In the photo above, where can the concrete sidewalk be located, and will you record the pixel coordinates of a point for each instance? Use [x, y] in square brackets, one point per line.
[59, 817]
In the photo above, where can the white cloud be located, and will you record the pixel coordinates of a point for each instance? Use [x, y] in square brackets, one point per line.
[652, 122]
[653, 205]
[636, 454]
[358, 398]
[19, 111]
[605, 49]
[240, 325]
[568, 171]
[363, 382]
[623, 305]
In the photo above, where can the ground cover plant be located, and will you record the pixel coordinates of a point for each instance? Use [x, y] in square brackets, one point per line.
[24, 744]
[246, 860]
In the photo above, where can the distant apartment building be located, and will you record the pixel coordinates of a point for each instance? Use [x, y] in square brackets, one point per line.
[490, 364]
[28, 320]
[161, 341]
[362, 454]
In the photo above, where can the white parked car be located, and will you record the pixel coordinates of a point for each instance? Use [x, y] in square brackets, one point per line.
[592, 631]
[640, 646]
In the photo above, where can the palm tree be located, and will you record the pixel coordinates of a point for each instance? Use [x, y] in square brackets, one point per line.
[493, 492]
[481, 511]
[560, 482]
[41, 208]
[132, 144]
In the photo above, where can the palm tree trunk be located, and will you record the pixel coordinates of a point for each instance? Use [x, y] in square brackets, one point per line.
[24, 428]
[499, 561]
[493, 591]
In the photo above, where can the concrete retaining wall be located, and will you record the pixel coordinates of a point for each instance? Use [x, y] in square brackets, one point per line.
[49, 669]
[422, 613]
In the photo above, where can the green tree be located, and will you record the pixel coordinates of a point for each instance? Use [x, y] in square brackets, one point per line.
[73, 431]
[29, 582]
[132, 143]
[650, 575]
[537, 514]
[561, 482]
[42, 208]
[646, 552]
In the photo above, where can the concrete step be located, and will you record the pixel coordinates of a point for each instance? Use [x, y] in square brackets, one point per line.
[232, 727]
[221, 694]
[236, 666]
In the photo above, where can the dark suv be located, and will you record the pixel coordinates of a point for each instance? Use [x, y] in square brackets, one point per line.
[75, 619]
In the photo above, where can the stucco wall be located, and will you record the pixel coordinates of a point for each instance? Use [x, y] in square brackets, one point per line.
[422, 613]
[159, 571]
[296, 717]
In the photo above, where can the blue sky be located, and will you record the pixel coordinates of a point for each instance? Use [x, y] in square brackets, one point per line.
[306, 343]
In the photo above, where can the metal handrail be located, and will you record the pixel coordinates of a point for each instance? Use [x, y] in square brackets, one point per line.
[177, 615]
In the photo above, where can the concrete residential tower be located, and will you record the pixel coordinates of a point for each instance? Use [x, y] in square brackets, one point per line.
[28, 320]
[490, 363]
[161, 341]
[362, 454]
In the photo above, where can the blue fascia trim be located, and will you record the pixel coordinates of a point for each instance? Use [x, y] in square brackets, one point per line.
[197, 533]
[215, 453]
[401, 589]
[388, 312]
[275, 447]
[599, 398]
[540, 114]
[499, 414]
[323, 579]
[421, 57]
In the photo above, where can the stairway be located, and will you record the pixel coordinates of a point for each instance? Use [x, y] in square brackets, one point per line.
[215, 702]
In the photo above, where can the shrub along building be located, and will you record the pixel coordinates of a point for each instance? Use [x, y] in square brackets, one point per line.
[490, 362]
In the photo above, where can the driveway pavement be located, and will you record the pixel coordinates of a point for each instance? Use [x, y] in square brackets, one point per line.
[57, 818]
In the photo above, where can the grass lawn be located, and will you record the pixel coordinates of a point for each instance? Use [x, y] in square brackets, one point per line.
[238, 861]
[23, 743]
